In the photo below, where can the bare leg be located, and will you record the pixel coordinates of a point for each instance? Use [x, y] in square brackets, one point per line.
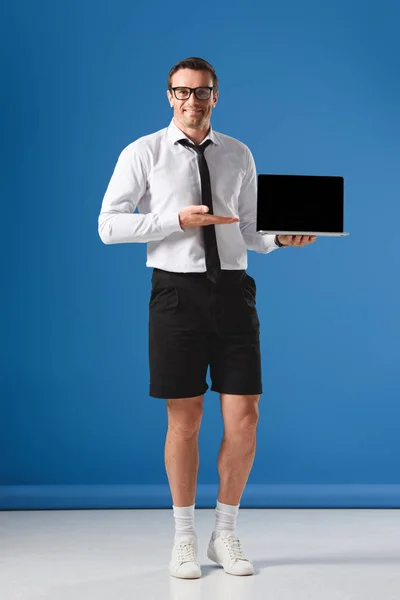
[238, 447]
[181, 448]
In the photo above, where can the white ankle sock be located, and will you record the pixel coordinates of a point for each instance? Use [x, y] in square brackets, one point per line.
[184, 522]
[226, 517]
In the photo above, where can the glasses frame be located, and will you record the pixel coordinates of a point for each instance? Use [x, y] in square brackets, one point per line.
[185, 87]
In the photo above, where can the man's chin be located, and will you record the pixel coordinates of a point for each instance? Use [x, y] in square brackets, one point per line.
[193, 122]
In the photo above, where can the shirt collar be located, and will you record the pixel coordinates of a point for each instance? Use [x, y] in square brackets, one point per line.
[174, 134]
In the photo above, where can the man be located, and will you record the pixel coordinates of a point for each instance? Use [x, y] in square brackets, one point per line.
[195, 190]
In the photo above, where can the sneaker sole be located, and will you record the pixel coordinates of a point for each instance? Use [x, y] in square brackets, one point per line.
[178, 575]
[211, 555]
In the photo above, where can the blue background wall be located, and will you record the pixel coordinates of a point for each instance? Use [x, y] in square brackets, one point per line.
[311, 88]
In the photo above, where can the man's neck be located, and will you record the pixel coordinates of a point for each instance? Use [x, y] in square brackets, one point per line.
[197, 136]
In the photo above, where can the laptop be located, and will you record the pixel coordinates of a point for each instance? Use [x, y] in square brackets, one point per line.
[300, 205]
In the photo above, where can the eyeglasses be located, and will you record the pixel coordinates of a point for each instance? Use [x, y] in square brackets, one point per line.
[201, 93]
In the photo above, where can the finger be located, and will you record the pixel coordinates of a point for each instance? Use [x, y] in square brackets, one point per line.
[225, 220]
[222, 218]
[195, 209]
[216, 219]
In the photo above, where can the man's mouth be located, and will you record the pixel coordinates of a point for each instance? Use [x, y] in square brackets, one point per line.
[191, 111]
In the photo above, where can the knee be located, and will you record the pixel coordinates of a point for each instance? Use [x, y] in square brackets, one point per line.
[247, 425]
[184, 417]
[243, 425]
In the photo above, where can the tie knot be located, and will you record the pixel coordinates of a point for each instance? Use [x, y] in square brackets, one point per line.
[199, 149]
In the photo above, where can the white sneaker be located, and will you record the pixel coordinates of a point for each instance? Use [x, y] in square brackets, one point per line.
[184, 563]
[226, 551]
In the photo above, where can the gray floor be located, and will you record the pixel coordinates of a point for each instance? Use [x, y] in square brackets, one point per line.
[300, 554]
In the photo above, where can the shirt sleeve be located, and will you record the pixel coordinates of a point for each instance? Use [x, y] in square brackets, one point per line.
[116, 223]
[247, 203]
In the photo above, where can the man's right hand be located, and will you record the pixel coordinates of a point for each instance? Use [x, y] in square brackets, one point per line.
[196, 216]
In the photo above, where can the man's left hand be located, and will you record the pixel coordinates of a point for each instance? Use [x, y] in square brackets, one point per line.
[296, 240]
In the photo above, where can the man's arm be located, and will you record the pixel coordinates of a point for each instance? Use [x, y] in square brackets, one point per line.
[247, 203]
[116, 223]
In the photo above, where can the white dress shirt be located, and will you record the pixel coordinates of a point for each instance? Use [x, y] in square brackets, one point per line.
[159, 177]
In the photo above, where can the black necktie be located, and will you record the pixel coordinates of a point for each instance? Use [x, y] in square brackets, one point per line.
[213, 263]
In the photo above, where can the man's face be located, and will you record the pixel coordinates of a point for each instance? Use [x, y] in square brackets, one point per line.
[192, 113]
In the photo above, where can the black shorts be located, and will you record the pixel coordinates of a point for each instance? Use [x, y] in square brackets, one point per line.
[194, 324]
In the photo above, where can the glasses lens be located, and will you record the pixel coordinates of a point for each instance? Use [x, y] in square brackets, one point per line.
[203, 93]
[182, 93]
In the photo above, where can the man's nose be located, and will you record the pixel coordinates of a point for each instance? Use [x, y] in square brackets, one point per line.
[193, 102]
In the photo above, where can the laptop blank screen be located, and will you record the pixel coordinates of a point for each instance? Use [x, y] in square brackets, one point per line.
[300, 203]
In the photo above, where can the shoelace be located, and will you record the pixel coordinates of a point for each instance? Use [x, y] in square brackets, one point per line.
[234, 548]
[186, 552]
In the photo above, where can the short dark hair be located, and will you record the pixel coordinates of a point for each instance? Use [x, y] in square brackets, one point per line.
[197, 64]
